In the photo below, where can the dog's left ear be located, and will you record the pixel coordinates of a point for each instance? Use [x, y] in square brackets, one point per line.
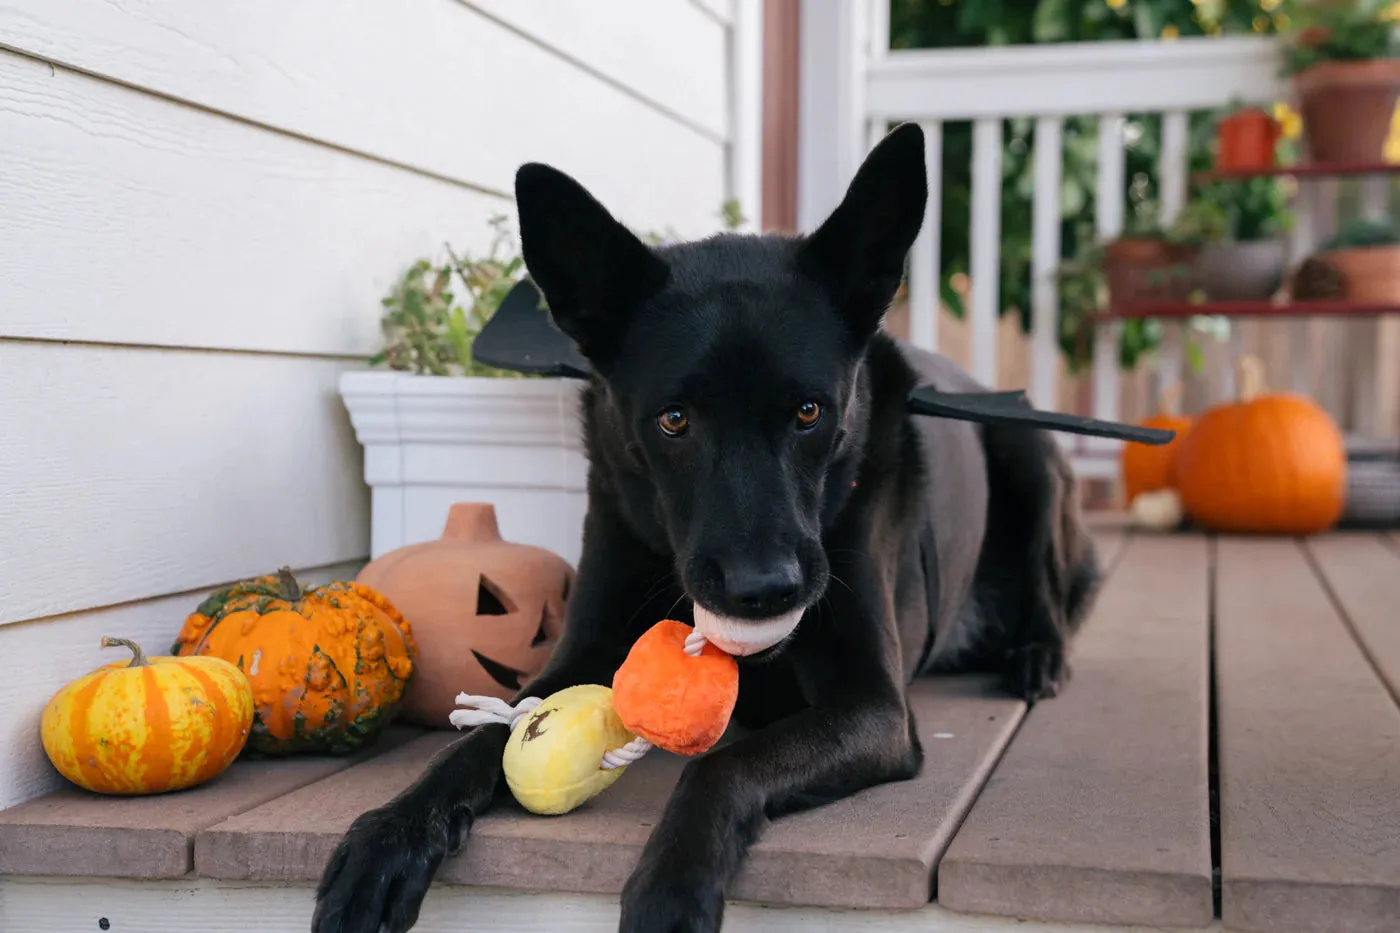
[858, 253]
[592, 270]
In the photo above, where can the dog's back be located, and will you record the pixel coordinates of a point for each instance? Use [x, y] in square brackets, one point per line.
[1002, 552]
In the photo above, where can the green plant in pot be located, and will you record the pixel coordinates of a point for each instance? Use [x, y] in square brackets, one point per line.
[1151, 262]
[1344, 59]
[427, 330]
[1246, 255]
[1366, 252]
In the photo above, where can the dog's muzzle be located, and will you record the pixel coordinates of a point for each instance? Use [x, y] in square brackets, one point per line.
[745, 636]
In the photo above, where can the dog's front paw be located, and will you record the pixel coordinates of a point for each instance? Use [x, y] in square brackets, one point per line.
[1037, 671]
[381, 870]
[659, 900]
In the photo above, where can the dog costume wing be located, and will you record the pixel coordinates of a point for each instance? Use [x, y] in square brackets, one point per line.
[520, 337]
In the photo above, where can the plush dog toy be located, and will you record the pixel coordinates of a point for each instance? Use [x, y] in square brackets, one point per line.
[675, 691]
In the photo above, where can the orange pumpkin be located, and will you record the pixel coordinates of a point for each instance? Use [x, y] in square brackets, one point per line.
[486, 612]
[148, 725]
[328, 664]
[1268, 463]
[1147, 467]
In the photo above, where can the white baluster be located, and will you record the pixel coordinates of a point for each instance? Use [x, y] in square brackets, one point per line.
[986, 248]
[924, 258]
[1109, 222]
[1045, 258]
[1172, 171]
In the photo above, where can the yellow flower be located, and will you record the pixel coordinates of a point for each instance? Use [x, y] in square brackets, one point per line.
[1170, 32]
[1116, 4]
[1289, 120]
[1392, 140]
[1391, 14]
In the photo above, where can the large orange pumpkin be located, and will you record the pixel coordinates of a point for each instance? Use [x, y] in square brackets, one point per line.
[148, 725]
[328, 665]
[1149, 467]
[1268, 463]
[486, 612]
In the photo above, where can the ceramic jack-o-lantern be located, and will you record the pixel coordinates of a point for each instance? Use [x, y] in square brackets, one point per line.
[486, 613]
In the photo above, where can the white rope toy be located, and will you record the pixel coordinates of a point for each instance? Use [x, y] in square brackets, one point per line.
[483, 710]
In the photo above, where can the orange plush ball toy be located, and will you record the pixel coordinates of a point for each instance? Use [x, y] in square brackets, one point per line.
[675, 700]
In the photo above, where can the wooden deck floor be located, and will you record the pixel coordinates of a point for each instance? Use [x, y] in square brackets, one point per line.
[1229, 747]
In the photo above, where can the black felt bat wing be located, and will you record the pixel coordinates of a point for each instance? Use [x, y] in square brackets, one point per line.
[521, 337]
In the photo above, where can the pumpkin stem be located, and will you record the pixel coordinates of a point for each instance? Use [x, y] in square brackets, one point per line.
[472, 521]
[287, 583]
[138, 656]
[1169, 403]
[1251, 377]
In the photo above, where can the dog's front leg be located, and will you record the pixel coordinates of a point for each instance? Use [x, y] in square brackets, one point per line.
[857, 732]
[381, 870]
[725, 799]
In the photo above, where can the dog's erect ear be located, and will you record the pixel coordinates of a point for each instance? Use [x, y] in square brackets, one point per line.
[858, 253]
[591, 269]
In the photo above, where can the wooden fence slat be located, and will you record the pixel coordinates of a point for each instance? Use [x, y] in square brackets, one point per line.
[1309, 754]
[1099, 811]
[874, 849]
[75, 833]
[1364, 574]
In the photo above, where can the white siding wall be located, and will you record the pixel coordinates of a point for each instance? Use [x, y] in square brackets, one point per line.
[201, 205]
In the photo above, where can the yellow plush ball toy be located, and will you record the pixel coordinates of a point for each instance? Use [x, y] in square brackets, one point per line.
[675, 691]
[551, 761]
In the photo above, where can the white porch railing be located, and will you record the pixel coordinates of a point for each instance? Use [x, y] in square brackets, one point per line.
[854, 86]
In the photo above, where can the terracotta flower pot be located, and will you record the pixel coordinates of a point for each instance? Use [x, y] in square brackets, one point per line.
[1247, 140]
[1250, 271]
[1347, 107]
[1143, 270]
[486, 613]
[1371, 274]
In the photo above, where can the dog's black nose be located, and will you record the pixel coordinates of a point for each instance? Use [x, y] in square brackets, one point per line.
[763, 589]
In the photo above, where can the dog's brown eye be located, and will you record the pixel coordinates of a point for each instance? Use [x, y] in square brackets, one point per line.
[808, 414]
[672, 422]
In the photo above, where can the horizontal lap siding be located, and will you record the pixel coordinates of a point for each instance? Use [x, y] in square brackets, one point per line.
[132, 220]
[132, 473]
[185, 180]
[435, 85]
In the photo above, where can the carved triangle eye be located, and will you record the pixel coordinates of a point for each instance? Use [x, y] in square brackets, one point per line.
[541, 636]
[490, 601]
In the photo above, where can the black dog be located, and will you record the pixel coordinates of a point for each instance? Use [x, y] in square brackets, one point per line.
[751, 455]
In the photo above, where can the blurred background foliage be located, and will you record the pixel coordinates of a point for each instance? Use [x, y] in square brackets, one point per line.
[927, 24]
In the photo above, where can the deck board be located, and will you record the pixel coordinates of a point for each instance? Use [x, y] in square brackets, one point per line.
[874, 849]
[75, 833]
[1309, 755]
[1364, 574]
[1099, 812]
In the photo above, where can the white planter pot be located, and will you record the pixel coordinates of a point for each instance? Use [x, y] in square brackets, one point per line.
[430, 441]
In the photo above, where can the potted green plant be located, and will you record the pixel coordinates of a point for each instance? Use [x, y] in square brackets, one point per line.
[1344, 59]
[1246, 256]
[1151, 263]
[1366, 253]
[437, 427]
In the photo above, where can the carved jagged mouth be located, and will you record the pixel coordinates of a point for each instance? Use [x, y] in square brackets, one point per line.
[501, 674]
